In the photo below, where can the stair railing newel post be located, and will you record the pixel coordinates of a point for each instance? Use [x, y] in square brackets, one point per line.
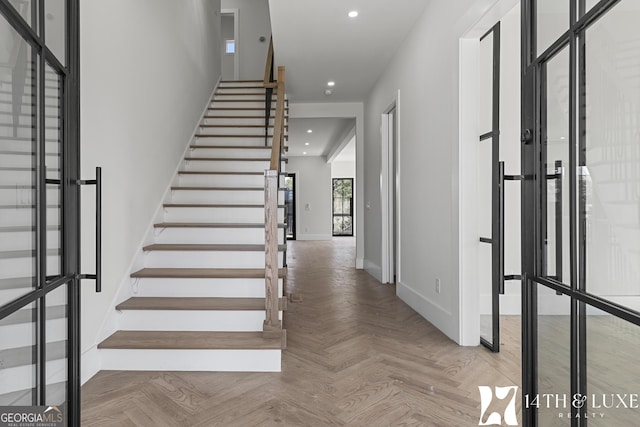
[268, 85]
[272, 324]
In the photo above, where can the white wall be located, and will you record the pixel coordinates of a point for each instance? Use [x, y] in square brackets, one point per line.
[313, 187]
[428, 156]
[148, 69]
[253, 21]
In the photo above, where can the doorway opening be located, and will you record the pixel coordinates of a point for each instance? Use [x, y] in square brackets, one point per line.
[290, 205]
[342, 207]
[390, 195]
[229, 33]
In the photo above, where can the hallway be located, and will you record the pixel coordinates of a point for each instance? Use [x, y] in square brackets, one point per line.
[356, 355]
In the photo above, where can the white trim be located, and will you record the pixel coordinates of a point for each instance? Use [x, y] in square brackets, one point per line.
[373, 269]
[386, 204]
[434, 313]
[236, 23]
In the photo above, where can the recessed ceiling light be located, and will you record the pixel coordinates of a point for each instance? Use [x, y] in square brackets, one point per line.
[304, 152]
[306, 143]
[353, 14]
[562, 137]
[309, 131]
[331, 83]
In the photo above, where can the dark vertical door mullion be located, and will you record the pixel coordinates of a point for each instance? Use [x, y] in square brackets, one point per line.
[41, 209]
[529, 209]
[496, 226]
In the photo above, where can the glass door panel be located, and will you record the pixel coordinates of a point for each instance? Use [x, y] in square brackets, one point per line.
[611, 163]
[18, 360]
[553, 20]
[343, 206]
[18, 106]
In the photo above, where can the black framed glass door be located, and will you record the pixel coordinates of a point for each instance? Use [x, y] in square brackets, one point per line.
[580, 210]
[490, 225]
[342, 206]
[39, 226]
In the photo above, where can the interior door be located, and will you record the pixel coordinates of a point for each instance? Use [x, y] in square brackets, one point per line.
[39, 162]
[490, 189]
[580, 205]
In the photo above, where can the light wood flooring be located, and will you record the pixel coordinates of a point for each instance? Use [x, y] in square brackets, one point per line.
[356, 356]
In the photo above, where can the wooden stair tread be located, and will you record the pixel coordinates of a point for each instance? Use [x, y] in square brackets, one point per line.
[203, 205]
[190, 340]
[203, 135]
[241, 81]
[210, 225]
[233, 147]
[205, 273]
[227, 159]
[221, 189]
[241, 108]
[218, 173]
[207, 247]
[237, 117]
[194, 303]
[238, 126]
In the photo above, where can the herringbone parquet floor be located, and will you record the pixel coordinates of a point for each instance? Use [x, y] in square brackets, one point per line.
[356, 356]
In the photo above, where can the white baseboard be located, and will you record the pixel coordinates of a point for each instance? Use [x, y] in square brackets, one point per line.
[314, 237]
[90, 364]
[373, 269]
[435, 314]
[359, 263]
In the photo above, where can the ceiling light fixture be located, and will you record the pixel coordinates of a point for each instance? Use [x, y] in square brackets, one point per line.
[331, 84]
[304, 152]
[309, 131]
[353, 14]
[306, 143]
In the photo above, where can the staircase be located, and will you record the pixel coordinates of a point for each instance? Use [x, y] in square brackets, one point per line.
[199, 303]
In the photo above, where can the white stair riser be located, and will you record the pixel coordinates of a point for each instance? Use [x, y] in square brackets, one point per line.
[23, 240]
[253, 131]
[26, 161]
[228, 83]
[256, 90]
[219, 235]
[212, 288]
[25, 146]
[22, 334]
[251, 103]
[194, 320]
[221, 196]
[22, 216]
[209, 259]
[23, 377]
[25, 267]
[226, 215]
[188, 180]
[257, 141]
[25, 196]
[227, 165]
[231, 153]
[191, 360]
[256, 121]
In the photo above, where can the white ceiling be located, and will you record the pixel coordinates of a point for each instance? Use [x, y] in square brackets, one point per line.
[326, 134]
[318, 42]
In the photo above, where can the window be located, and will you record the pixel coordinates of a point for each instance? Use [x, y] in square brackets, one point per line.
[230, 47]
[343, 206]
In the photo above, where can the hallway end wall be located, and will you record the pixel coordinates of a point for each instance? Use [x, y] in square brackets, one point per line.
[313, 193]
[148, 68]
[254, 22]
[425, 71]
